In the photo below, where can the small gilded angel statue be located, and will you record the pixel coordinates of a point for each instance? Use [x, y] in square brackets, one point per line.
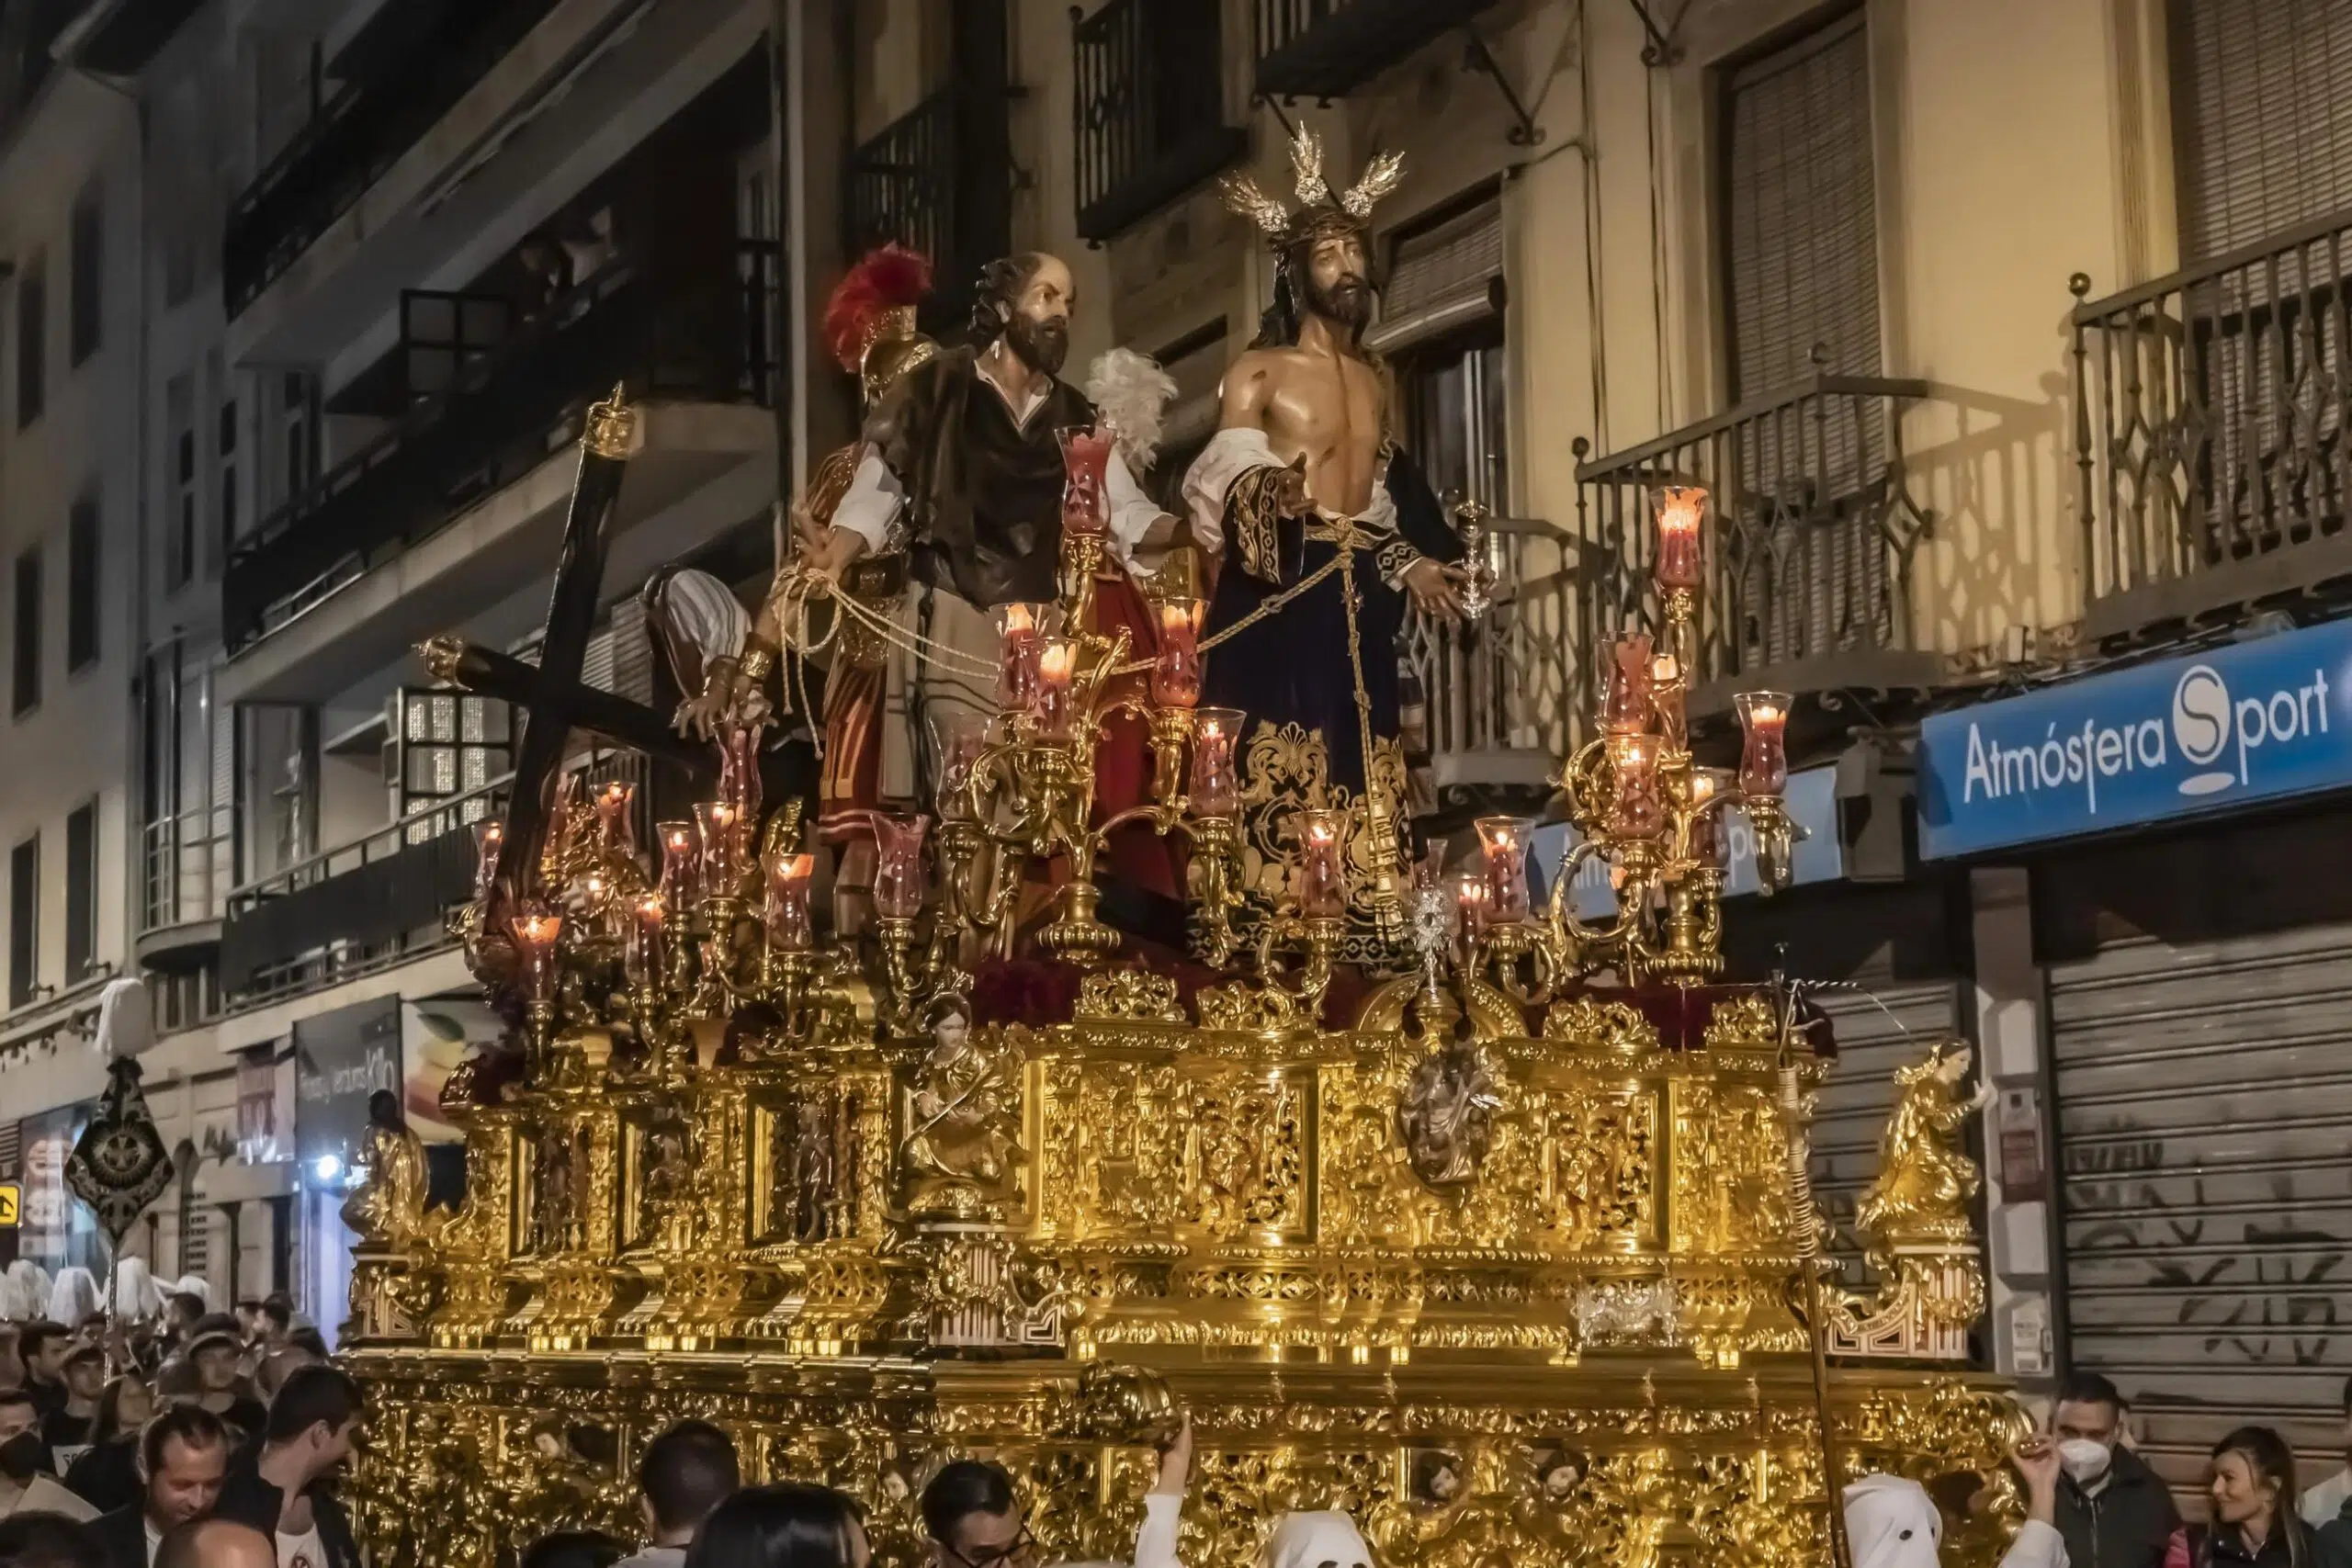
[1924, 1182]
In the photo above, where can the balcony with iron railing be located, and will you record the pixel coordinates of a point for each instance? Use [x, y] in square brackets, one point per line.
[1498, 692]
[2213, 433]
[939, 179]
[429, 54]
[1324, 48]
[1150, 96]
[379, 901]
[1808, 585]
[499, 418]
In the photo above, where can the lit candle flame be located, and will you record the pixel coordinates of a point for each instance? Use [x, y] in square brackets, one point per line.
[1054, 664]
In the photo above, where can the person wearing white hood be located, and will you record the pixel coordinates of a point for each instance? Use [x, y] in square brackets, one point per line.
[1891, 1522]
[75, 1298]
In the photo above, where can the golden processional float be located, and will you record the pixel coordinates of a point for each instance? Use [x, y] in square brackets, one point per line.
[1515, 1266]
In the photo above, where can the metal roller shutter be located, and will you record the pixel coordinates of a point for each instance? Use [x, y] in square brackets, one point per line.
[2262, 110]
[2204, 1102]
[1441, 279]
[1872, 1042]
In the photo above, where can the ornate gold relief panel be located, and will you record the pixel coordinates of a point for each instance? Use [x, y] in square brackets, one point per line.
[1113, 1149]
[1599, 1145]
[1247, 1142]
[657, 1170]
[821, 1153]
[1730, 1171]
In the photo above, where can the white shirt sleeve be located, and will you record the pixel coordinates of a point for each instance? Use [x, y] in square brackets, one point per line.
[872, 501]
[1231, 453]
[1155, 1540]
[2038, 1545]
[1131, 514]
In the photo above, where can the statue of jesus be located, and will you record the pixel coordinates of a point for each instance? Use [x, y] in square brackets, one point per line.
[1328, 528]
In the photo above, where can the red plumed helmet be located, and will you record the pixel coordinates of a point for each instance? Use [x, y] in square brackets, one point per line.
[888, 280]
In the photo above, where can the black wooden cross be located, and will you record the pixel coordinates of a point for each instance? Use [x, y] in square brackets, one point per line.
[550, 694]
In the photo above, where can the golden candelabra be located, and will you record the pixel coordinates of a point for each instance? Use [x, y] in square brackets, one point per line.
[1514, 1270]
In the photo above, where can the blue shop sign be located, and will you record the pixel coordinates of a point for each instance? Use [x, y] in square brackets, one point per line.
[1819, 855]
[2250, 722]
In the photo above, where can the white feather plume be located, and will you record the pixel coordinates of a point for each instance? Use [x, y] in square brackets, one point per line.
[1130, 393]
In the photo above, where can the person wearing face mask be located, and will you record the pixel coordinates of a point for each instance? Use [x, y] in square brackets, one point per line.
[2325, 1502]
[281, 1487]
[27, 1486]
[2112, 1511]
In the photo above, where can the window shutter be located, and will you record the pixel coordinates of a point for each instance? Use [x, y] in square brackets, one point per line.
[2263, 107]
[1801, 211]
[1440, 277]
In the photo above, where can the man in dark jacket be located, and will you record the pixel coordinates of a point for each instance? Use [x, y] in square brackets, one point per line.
[2112, 1511]
[183, 1456]
[281, 1487]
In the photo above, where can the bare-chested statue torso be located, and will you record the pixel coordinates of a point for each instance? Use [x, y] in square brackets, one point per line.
[1320, 405]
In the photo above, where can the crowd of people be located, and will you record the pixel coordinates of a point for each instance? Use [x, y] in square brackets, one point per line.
[200, 1439]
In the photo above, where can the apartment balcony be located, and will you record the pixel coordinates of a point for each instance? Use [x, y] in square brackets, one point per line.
[187, 862]
[2213, 435]
[1150, 109]
[422, 57]
[376, 902]
[1808, 585]
[460, 502]
[1499, 695]
[463, 126]
[1327, 48]
[939, 181]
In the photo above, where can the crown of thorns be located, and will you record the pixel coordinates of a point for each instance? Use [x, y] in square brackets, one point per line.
[1319, 211]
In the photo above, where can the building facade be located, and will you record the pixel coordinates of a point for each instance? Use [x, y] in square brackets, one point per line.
[2006, 335]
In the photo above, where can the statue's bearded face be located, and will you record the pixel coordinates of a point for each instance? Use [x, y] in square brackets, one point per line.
[1037, 329]
[1339, 279]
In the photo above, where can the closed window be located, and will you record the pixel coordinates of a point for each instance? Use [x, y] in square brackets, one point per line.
[2261, 120]
[81, 607]
[1800, 211]
[180, 527]
[24, 920]
[88, 306]
[33, 340]
[81, 892]
[25, 678]
[227, 447]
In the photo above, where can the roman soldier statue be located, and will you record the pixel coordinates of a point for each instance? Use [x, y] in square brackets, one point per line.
[1326, 530]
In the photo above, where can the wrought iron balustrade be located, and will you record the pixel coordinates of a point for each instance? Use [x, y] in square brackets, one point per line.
[2210, 415]
[1150, 98]
[1322, 49]
[1808, 568]
[939, 181]
[1499, 698]
[438, 51]
[376, 900]
[496, 422]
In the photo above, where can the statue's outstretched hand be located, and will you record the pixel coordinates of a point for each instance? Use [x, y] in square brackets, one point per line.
[1435, 588]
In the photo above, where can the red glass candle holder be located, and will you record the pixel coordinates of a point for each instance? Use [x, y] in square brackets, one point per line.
[787, 902]
[739, 772]
[1636, 813]
[1710, 835]
[681, 859]
[490, 838]
[536, 931]
[1086, 466]
[1681, 513]
[1499, 839]
[1322, 865]
[1626, 708]
[1471, 894]
[613, 832]
[898, 869]
[962, 735]
[719, 828]
[1054, 711]
[1176, 669]
[1214, 788]
[1021, 631]
[1764, 750]
[647, 938]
